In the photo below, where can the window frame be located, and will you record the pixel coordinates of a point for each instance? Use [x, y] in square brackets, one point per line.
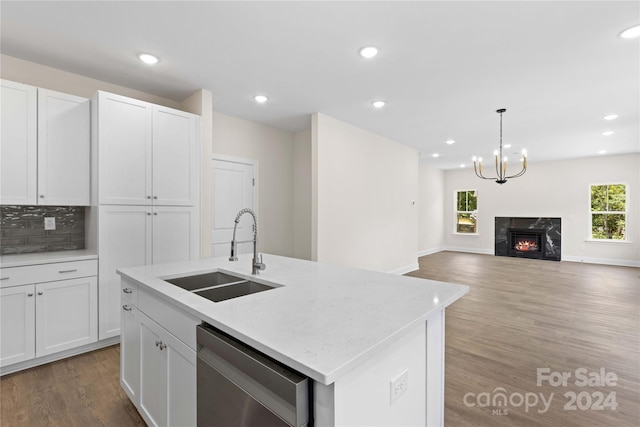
[625, 213]
[456, 212]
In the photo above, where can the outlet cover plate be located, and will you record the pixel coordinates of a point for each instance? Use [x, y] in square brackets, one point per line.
[398, 385]
[50, 223]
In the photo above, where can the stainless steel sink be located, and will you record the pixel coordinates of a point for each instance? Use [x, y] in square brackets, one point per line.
[225, 292]
[218, 286]
[202, 281]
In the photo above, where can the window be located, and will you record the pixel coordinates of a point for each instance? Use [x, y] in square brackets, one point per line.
[608, 211]
[466, 211]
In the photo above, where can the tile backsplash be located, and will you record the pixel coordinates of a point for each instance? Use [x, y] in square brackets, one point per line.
[22, 229]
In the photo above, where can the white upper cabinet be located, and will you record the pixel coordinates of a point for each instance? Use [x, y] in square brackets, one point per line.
[147, 154]
[64, 149]
[18, 144]
[45, 147]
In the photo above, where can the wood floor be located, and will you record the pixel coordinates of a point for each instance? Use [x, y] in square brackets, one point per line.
[82, 391]
[519, 315]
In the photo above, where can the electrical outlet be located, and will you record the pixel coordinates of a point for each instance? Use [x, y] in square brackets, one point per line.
[50, 223]
[399, 385]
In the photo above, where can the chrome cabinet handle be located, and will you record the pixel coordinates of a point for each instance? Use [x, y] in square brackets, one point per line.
[158, 343]
[155, 197]
[127, 291]
[30, 294]
[126, 308]
[148, 197]
[5, 278]
[68, 271]
[162, 346]
[155, 213]
[42, 196]
[40, 293]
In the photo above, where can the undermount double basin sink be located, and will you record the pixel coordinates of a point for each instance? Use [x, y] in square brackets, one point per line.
[218, 286]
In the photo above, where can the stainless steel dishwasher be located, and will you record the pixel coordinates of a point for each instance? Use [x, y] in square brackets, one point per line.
[241, 387]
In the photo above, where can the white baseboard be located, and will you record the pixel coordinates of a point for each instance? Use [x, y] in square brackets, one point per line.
[426, 252]
[405, 269]
[607, 261]
[469, 250]
[58, 356]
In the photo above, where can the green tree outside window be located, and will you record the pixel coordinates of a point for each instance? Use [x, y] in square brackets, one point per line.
[466, 211]
[608, 211]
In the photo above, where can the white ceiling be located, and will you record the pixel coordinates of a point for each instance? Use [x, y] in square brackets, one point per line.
[444, 68]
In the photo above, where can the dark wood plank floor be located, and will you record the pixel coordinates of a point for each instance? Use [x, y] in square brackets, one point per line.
[80, 391]
[519, 315]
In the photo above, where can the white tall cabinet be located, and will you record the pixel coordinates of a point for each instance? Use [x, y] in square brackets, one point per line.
[146, 183]
[44, 147]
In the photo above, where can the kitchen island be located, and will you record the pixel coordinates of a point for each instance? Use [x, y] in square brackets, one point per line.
[353, 332]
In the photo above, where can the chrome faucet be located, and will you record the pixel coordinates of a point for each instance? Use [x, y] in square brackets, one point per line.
[256, 264]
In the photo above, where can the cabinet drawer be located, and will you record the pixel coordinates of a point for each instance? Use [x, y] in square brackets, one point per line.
[170, 317]
[14, 276]
[129, 292]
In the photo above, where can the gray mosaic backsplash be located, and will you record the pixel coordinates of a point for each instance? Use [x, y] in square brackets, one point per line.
[22, 229]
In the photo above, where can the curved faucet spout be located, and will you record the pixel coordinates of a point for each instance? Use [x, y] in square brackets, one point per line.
[257, 265]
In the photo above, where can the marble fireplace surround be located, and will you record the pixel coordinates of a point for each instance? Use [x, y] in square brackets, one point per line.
[552, 238]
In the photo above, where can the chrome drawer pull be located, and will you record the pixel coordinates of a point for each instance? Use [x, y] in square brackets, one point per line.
[68, 271]
[127, 291]
[5, 278]
[126, 308]
[30, 294]
[40, 293]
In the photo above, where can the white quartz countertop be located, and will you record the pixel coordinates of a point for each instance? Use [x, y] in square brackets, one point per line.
[21, 260]
[323, 320]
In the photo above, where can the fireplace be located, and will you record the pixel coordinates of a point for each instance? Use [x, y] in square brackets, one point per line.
[538, 238]
[526, 243]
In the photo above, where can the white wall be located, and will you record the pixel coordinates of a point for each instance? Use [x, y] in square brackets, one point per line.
[365, 188]
[430, 209]
[302, 195]
[551, 189]
[30, 73]
[273, 149]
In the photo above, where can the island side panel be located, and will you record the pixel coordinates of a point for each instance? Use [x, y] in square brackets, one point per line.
[362, 397]
[435, 370]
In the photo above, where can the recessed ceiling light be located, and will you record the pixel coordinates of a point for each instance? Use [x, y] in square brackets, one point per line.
[630, 33]
[607, 133]
[147, 58]
[602, 152]
[379, 104]
[462, 165]
[260, 99]
[507, 145]
[369, 51]
[450, 141]
[611, 117]
[434, 155]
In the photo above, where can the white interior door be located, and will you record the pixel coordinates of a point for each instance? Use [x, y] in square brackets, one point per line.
[233, 190]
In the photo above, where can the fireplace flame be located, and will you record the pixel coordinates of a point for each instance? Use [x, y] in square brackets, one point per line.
[526, 245]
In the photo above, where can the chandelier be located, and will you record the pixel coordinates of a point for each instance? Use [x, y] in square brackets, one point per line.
[501, 161]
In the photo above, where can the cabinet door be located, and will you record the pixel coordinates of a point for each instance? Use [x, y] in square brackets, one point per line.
[153, 373]
[66, 314]
[175, 157]
[130, 352]
[125, 241]
[175, 234]
[167, 377]
[124, 150]
[17, 324]
[63, 149]
[18, 144]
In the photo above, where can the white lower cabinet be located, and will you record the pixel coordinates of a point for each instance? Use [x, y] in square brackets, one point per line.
[45, 318]
[158, 370]
[17, 324]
